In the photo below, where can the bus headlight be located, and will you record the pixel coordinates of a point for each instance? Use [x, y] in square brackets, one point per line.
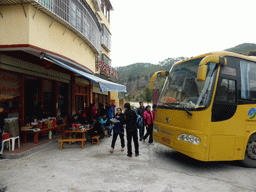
[155, 128]
[189, 138]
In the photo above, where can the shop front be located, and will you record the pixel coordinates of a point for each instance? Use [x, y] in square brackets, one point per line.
[36, 90]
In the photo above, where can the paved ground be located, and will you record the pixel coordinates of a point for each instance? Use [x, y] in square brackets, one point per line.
[158, 168]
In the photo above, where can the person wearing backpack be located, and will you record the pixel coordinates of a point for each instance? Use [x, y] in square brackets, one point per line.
[141, 111]
[139, 120]
[148, 121]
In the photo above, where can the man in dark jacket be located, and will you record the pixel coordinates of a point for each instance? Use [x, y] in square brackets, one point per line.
[140, 111]
[97, 128]
[109, 111]
[131, 130]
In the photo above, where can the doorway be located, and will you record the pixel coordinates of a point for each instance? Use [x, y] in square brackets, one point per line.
[31, 97]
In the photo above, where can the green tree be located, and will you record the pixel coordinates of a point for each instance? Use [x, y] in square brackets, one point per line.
[146, 77]
[130, 78]
[147, 95]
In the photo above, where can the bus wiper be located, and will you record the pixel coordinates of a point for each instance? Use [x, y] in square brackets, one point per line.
[170, 104]
[190, 114]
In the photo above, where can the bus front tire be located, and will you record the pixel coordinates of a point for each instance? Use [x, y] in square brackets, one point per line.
[250, 153]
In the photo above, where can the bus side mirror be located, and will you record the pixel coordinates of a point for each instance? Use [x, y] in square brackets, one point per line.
[158, 73]
[202, 70]
[201, 74]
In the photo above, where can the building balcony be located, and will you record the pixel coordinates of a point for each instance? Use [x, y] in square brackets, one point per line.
[75, 15]
[106, 38]
[103, 66]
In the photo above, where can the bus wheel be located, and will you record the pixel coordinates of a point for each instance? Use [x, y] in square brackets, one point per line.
[250, 153]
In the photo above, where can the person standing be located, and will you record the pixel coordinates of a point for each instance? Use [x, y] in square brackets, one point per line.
[113, 106]
[140, 111]
[118, 129]
[131, 130]
[148, 121]
[101, 110]
[154, 111]
[2, 116]
[109, 111]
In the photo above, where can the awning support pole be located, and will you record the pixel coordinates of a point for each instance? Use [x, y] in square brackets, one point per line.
[1, 15]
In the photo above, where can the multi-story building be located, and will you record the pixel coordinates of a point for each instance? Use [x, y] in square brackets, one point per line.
[55, 54]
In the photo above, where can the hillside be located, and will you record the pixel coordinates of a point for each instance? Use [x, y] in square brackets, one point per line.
[137, 76]
[244, 48]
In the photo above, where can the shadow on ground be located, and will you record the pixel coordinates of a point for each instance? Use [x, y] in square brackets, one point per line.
[175, 160]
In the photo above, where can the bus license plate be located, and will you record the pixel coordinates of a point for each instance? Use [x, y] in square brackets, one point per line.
[166, 140]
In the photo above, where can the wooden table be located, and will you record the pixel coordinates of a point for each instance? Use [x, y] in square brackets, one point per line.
[42, 131]
[70, 132]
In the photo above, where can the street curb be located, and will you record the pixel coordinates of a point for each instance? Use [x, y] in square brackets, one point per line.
[28, 152]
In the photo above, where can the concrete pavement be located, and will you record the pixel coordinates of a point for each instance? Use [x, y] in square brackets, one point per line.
[94, 168]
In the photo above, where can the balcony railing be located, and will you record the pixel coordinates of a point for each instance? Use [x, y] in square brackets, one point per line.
[74, 14]
[106, 38]
[104, 67]
[77, 15]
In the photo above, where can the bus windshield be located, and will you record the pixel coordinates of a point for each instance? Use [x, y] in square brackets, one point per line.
[182, 90]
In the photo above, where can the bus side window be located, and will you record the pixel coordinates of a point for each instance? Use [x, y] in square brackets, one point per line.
[226, 92]
[224, 106]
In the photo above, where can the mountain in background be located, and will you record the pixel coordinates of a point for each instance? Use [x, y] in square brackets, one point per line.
[244, 48]
[137, 76]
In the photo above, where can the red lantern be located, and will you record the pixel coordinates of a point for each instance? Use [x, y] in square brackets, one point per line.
[105, 67]
[108, 69]
[100, 64]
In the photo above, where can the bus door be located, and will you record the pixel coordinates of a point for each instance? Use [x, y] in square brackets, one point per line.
[223, 127]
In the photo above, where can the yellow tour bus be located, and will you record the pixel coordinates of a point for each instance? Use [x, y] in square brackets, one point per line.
[207, 108]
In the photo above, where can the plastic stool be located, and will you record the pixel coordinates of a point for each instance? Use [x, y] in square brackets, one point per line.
[13, 142]
[1, 152]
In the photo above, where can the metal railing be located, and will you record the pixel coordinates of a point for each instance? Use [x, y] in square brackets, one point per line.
[78, 16]
[103, 65]
[106, 38]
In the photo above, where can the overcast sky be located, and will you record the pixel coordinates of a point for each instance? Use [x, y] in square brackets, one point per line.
[151, 31]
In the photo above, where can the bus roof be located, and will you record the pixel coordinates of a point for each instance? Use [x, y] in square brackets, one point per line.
[221, 54]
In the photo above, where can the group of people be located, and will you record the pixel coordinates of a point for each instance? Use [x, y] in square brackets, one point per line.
[102, 119]
[129, 118]
[99, 117]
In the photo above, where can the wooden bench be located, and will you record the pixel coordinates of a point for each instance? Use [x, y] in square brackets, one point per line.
[83, 140]
[95, 139]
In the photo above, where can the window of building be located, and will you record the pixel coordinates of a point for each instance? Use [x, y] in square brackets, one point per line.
[77, 15]
[46, 3]
[106, 37]
[61, 8]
